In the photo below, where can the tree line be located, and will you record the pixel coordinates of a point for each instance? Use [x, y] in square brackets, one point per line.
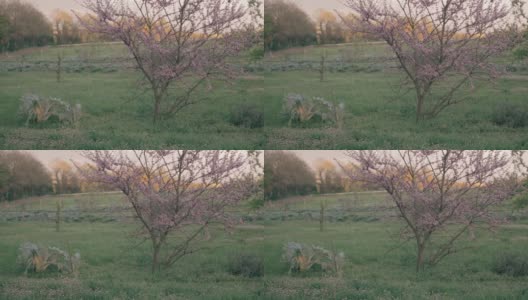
[287, 25]
[431, 190]
[22, 175]
[22, 26]
[285, 175]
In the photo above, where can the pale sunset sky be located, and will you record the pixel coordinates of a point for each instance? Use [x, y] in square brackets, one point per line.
[49, 156]
[48, 6]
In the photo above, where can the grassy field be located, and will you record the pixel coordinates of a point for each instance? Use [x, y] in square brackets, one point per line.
[115, 267]
[117, 114]
[378, 114]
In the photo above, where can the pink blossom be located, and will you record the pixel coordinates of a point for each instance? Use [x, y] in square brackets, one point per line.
[172, 40]
[437, 40]
[434, 189]
[176, 191]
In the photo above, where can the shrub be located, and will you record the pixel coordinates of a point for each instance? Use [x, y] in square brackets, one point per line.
[256, 202]
[303, 258]
[301, 110]
[256, 53]
[520, 201]
[248, 265]
[247, 115]
[36, 109]
[511, 264]
[298, 108]
[36, 259]
[521, 53]
[511, 115]
[333, 112]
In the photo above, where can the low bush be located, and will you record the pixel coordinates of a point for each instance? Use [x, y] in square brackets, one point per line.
[511, 264]
[520, 201]
[303, 258]
[521, 53]
[256, 202]
[36, 109]
[302, 110]
[332, 112]
[256, 53]
[37, 259]
[298, 108]
[248, 265]
[511, 115]
[247, 115]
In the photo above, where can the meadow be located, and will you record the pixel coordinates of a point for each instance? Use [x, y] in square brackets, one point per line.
[362, 225]
[116, 109]
[379, 113]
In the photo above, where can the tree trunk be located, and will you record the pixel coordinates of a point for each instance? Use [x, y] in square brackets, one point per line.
[155, 257]
[59, 67]
[157, 106]
[322, 68]
[420, 256]
[419, 107]
[157, 101]
[58, 215]
[322, 216]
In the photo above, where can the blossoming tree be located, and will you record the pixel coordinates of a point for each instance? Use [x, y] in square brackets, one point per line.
[442, 44]
[175, 194]
[176, 44]
[448, 192]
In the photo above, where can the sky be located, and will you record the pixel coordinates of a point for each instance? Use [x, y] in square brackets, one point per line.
[310, 156]
[48, 6]
[49, 156]
[311, 6]
[313, 156]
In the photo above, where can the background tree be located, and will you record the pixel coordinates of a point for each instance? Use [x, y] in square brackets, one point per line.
[434, 190]
[175, 194]
[4, 32]
[28, 27]
[521, 51]
[331, 180]
[520, 200]
[86, 185]
[26, 176]
[86, 35]
[256, 29]
[286, 25]
[285, 174]
[329, 29]
[434, 41]
[4, 180]
[65, 178]
[65, 28]
[175, 44]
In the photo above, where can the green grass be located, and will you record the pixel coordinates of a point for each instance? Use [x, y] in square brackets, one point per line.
[68, 52]
[117, 112]
[74, 201]
[378, 114]
[114, 268]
